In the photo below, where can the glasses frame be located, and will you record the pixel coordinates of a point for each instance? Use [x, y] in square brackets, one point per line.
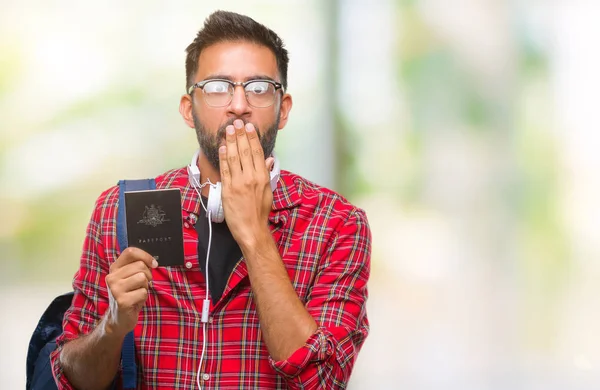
[242, 84]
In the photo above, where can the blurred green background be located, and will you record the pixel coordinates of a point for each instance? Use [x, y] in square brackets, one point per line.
[465, 129]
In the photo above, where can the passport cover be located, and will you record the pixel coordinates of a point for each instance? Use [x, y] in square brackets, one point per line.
[154, 224]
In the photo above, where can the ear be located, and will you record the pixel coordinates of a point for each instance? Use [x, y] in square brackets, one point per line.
[284, 111]
[186, 106]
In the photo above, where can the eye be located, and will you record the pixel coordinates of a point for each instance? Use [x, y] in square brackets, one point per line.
[216, 87]
[258, 87]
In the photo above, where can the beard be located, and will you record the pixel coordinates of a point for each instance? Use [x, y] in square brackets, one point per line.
[210, 143]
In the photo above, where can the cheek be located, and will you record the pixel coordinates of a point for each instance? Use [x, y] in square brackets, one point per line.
[267, 119]
[210, 117]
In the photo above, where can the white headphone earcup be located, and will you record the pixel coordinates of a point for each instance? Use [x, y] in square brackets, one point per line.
[214, 204]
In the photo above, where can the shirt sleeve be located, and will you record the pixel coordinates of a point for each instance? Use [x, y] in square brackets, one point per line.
[90, 299]
[337, 303]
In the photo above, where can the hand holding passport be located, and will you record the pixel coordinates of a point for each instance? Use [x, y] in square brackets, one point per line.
[154, 224]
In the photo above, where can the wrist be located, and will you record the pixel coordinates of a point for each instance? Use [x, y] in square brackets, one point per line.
[110, 328]
[259, 238]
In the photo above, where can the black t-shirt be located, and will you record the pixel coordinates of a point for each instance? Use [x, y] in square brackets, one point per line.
[224, 253]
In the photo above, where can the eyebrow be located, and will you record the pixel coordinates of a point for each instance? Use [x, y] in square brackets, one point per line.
[226, 77]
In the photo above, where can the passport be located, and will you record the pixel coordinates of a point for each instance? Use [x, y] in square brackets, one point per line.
[154, 224]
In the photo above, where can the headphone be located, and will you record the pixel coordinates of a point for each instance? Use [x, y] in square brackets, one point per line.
[214, 207]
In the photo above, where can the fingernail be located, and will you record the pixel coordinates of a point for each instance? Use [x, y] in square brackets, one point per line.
[154, 263]
[230, 130]
[249, 127]
[238, 123]
[222, 149]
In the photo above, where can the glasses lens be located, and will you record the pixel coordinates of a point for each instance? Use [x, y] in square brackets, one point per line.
[217, 93]
[260, 93]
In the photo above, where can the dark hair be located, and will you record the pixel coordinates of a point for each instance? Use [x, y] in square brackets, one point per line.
[223, 26]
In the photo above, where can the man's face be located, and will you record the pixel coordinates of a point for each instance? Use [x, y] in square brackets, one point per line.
[210, 141]
[238, 62]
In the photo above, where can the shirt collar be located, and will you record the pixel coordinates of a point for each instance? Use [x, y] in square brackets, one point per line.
[286, 196]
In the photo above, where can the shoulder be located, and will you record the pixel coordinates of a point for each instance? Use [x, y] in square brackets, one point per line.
[320, 200]
[174, 178]
[108, 200]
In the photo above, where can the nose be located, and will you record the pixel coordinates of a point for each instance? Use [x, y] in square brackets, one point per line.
[239, 104]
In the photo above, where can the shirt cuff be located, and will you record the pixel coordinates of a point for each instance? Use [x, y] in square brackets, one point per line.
[317, 348]
[57, 370]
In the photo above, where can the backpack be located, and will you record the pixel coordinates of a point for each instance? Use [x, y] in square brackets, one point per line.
[49, 327]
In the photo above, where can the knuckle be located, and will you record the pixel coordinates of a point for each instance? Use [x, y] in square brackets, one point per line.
[141, 265]
[139, 277]
[121, 301]
[129, 252]
[232, 159]
[245, 152]
[257, 152]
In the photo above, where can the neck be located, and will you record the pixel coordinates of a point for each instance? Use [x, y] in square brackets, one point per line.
[207, 172]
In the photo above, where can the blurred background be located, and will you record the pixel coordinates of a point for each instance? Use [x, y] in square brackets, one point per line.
[465, 129]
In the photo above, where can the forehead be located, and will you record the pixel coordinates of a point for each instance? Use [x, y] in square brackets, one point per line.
[237, 60]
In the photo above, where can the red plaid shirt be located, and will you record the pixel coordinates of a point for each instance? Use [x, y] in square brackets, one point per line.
[325, 244]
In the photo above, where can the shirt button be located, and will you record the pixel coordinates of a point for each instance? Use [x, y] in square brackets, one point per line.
[206, 377]
[210, 320]
[188, 265]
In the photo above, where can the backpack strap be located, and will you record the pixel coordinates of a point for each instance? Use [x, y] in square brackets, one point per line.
[124, 186]
[128, 352]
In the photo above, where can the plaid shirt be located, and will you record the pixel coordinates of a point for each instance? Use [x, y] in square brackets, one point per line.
[325, 244]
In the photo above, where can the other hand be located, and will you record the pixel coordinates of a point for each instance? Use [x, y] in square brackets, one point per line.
[128, 281]
[245, 183]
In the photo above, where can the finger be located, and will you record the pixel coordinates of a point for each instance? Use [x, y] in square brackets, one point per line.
[117, 283]
[133, 254]
[132, 269]
[258, 156]
[233, 158]
[243, 146]
[132, 298]
[224, 167]
[133, 283]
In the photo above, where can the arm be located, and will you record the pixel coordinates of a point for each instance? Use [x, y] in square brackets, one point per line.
[321, 356]
[105, 308]
[284, 321]
[337, 302]
[247, 200]
[312, 346]
[92, 361]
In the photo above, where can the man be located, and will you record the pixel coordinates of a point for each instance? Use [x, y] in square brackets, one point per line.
[287, 272]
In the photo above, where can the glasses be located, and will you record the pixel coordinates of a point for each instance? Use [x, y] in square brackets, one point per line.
[219, 92]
